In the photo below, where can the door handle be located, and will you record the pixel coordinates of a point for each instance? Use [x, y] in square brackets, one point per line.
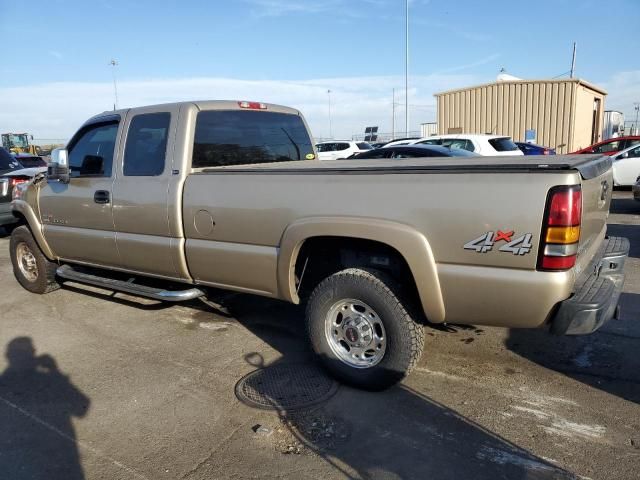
[101, 196]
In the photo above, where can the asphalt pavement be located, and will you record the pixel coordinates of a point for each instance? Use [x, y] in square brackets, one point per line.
[96, 385]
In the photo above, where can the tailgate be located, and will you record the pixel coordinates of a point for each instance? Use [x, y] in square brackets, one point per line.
[597, 186]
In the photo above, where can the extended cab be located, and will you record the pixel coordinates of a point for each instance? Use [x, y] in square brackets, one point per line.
[230, 195]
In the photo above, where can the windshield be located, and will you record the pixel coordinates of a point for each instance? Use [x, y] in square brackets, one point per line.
[18, 140]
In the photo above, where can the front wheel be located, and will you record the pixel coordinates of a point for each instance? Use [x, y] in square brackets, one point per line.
[362, 330]
[31, 268]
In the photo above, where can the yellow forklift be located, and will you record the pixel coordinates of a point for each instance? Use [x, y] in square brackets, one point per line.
[19, 143]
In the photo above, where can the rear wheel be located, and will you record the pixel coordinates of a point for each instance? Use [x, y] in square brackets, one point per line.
[362, 330]
[31, 268]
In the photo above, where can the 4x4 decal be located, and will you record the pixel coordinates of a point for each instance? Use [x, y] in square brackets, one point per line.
[484, 243]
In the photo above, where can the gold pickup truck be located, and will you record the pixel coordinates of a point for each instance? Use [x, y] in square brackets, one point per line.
[230, 195]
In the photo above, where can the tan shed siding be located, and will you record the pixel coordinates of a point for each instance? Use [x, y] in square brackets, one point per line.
[529, 107]
[517, 113]
[555, 113]
[559, 110]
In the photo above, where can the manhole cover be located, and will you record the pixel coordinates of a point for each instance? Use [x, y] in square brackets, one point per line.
[286, 387]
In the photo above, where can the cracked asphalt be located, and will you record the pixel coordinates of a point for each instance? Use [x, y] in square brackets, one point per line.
[101, 386]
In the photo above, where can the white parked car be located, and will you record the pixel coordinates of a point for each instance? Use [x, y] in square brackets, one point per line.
[487, 145]
[626, 166]
[340, 149]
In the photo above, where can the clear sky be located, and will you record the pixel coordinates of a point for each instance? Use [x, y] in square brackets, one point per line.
[55, 68]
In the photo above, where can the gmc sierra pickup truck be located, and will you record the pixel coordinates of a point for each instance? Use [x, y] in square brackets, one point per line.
[230, 195]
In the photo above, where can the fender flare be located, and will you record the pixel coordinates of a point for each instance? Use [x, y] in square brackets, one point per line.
[25, 210]
[411, 244]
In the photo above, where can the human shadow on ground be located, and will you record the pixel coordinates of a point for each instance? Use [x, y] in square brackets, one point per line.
[37, 404]
[399, 433]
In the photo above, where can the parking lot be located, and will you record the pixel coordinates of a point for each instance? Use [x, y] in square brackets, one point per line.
[99, 385]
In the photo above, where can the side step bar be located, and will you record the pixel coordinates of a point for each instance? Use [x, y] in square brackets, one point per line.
[69, 273]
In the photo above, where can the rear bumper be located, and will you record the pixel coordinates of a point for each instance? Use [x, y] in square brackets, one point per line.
[596, 294]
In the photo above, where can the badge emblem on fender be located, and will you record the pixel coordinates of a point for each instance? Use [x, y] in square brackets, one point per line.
[517, 246]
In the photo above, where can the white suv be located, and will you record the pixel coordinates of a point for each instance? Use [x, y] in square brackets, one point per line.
[487, 145]
[340, 149]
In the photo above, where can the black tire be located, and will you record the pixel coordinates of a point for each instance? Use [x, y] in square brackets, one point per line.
[44, 280]
[404, 336]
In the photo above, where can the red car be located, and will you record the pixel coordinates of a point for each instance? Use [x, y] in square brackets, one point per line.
[611, 146]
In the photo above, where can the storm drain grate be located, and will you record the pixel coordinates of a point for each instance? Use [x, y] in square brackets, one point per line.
[286, 387]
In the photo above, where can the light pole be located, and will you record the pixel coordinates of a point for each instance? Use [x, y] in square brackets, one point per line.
[636, 106]
[406, 73]
[113, 64]
[330, 132]
[393, 114]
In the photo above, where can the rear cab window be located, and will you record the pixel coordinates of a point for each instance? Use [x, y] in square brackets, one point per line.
[503, 144]
[237, 137]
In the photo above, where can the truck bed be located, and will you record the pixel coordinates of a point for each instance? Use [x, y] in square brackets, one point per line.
[589, 166]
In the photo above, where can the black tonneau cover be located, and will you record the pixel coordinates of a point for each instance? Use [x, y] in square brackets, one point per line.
[589, 166]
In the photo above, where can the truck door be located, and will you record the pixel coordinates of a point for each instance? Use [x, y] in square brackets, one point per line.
[77, 217]
[141, 206]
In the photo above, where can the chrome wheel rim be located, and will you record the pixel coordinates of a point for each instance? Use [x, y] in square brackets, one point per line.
[355, 333]
[26, 262]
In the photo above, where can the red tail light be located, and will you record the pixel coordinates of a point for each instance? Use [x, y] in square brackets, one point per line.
[546, 152]
[561, 229]
[565, 209]
[13, 181]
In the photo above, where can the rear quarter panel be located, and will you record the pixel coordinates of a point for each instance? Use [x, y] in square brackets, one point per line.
[252, 210]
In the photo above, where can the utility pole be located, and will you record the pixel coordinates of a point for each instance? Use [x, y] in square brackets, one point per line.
[636, 106]
[330, 132]
[113, 64]
[406, 73]
[573, 61]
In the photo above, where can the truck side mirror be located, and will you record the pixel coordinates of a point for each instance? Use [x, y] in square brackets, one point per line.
[58, 168]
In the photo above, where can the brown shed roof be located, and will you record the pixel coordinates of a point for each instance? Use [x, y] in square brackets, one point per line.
[512, 82]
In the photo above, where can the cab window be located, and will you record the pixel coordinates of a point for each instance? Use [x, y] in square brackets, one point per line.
[91, 150]
[607, 147]
[459, 143]
[145, 151]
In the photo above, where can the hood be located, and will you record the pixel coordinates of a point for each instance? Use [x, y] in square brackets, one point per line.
[26, 172]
